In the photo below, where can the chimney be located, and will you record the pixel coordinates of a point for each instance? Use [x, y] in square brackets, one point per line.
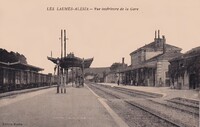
[65, 43]
[155, 34]
[51, 53]
[158, 34]
[61, 43]
[122, 60]
[164, 44]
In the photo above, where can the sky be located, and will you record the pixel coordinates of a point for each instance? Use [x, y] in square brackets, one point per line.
[30, 28]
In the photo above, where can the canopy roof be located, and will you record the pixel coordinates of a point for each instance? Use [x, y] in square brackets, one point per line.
[21, 66]
[71, 61]
[138, 66]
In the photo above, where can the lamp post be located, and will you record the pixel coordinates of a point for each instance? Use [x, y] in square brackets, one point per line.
[58, 74]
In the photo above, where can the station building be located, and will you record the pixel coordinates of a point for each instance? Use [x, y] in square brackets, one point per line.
[184, 70]
[149, 64]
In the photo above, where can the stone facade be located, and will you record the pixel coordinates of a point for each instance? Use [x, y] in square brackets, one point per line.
[149, 64]
[184, 71]
[158, 46]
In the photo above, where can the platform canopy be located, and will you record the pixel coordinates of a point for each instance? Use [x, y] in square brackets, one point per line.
[71, 61]
[21, 66]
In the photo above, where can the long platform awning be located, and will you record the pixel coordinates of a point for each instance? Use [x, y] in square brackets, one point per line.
[138, 66]
[22, 66]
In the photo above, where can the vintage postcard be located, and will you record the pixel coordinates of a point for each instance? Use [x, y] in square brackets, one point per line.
[99, 63]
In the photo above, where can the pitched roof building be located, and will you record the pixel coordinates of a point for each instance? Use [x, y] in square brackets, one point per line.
[153, 49]
[149, 64]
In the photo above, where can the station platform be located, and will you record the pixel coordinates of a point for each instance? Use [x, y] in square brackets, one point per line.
[78, 107]
[167, 92]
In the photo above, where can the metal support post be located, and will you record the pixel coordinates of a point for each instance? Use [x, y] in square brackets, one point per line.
[72, 71]
[58, 80]
[83, 73]
[64, 80]
[61, 80]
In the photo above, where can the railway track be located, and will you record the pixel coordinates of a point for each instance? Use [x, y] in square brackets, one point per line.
[135, 93]
[185, 102]
[178, 106]
[142, 114]
[184, 105]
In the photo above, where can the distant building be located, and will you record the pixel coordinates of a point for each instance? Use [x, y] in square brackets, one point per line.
[149, 64]
[113, 76]
[185, 70]
[97, 74]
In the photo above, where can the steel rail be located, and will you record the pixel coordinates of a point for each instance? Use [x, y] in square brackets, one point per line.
[142, 108]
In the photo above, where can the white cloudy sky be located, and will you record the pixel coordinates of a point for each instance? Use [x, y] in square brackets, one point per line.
[28, 28]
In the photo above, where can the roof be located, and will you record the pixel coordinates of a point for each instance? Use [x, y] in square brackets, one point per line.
[166, 56]
[194, 51]
[152, 46]
[191, 53]
[98, 70]
[151, 63]
[15, 61]
[22, 66]
[73, 61]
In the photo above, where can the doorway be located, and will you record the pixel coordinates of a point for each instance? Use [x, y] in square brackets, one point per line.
[193, 81]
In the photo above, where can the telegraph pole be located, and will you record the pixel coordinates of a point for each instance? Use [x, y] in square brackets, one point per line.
[61, 43]
[65, 46]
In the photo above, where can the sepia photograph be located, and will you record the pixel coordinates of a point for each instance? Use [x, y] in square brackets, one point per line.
[99, 63]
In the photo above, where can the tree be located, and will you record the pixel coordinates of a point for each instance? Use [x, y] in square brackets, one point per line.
[115, 66]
